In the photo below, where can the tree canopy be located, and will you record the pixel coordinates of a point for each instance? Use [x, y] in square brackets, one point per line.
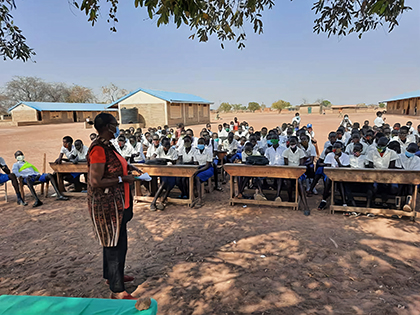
[224, 19]
[253, 106]
[225, 107]
[280, 105]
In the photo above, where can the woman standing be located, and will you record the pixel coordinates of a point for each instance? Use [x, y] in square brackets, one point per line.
[110, 202]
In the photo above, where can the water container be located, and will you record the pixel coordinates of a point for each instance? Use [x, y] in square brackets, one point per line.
[129, 116]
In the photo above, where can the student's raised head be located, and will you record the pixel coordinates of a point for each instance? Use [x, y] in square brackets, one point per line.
[369, 134]
[409, 124]
[106, 125]
[147, 134]
[189, 132]
[339, 134]
[356, 125]
[355, 130]
[220, 127]
[346, 117]
[264, 131]
[78, 144]
[67, 142]
[131, 129]
[293, 140]
[251, 130]
[382, 143]
[309, 127]
[242, 140]
[289, 131]
[132, 140]
[215, 136]
[387, 131]
[394, 145]
[166, 144]
[121, 141]
[379, 113]
[187, 141]
[355, 137]
[122, 132]
[159, 128]
[155, 140]
[337, 147]
[230, 136]
[201, 143]
[248, 148]
[403, 132]
[208, 126]
[397, 126]
[163, 132]
[357, 148]
[127, 133]
[366, 123]
[297, 114]
[258, 135]
[394, 132]
[412, 148]
[332, 137]
[139, 130]
[304, 139]
[93, 136]
[253, 140]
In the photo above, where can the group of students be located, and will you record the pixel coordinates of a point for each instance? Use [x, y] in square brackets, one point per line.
[31, 176]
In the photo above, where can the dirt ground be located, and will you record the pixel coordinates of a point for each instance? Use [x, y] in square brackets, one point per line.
[214, 260]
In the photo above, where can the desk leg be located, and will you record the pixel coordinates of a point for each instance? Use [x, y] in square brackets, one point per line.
[60, 182]
[191, 193]
[297, 194]
[414, 203]
[332, 197]
[232, 189]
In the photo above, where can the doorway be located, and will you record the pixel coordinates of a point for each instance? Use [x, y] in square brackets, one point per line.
[309, 110]
[39, 116]
[74, 117]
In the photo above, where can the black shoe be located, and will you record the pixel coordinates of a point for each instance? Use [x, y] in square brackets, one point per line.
[307, 212]
[322, 205]
[21, 202]
[37, 203]
[61, 197]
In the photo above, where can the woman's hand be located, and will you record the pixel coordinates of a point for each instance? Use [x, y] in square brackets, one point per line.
[128, 179]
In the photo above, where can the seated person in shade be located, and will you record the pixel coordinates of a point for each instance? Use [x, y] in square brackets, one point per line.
[12, 177]
[138, 156]
[67, 149]
[203, 158]
[185, 156]
[31, 176]
[243, 180]
[410, 162]
[274, 154]
[337, 158]
[125, 149]
[170, 154]
[230, 145]
[80, 152]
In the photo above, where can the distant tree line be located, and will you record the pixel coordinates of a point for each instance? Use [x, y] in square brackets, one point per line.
[33, 89]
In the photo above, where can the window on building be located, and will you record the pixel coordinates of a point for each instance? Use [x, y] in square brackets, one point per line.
[205, 111]
[190, 111]
[175, 111]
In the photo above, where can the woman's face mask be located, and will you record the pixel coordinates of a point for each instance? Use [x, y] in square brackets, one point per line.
[20, 157]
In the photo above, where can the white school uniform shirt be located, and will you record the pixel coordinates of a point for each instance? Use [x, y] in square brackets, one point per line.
[172, 154]
[310, 151]
[243, 133]
[244, 155]
[357, 162]
[24, 173]
[311, 134]
[68, 153]
[378, 121]
[297, 119]
[293, 157]
[81, 155]
[151, 150]
[275, 156]
[330, 159]
[404, 145]
[139, 149]
[202, 158]
[187, 157]
[145, 143]
[381, 162]
[263, 146]
[230, 147]
[126, 151]
[412, 164]
[223, 133]
[180, 143]
[350, 147]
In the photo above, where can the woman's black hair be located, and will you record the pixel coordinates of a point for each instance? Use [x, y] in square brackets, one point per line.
[102, 120]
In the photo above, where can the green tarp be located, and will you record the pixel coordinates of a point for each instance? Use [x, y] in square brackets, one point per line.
[50, 305]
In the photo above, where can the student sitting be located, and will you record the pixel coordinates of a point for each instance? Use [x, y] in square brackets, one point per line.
[164, 151]
[125, 149]
[67, 150]
[310, 154]
[243, 180]
[379, 121]
[80, 152]
[12, 177]
[410, 162]
[138, 155]
[382, 158]
[30, 176]
[230, 145]
[203, 158]
[185, 156]
[337, 158]
[293, 156]
[403, 138]
[151, 151]
[355, 139]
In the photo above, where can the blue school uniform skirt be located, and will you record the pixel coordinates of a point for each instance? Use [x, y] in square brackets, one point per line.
[205, 175]
[3, 178]
[169, 181]
[33, 178]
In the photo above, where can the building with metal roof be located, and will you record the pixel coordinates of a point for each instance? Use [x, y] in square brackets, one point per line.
[404, 104]
[151, 108]
[25, 113]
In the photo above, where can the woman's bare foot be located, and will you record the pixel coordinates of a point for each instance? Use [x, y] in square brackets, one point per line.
[122, 296]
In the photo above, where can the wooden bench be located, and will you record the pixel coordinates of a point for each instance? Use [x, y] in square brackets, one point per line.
[269, 171]
[67, 168]
[170, 171]
[367, 175]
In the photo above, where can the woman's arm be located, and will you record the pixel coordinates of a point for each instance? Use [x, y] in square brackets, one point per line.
[97, 173]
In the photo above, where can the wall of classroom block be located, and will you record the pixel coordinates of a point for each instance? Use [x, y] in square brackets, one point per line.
[24, 113]
[404, 107]
[150, 115]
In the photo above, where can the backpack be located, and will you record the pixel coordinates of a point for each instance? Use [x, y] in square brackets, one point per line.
[156, 162]
[257, 160]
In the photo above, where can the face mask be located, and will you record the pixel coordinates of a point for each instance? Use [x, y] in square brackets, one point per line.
[20, 158]
[227, 129]
[409, 154]
[246, 127]
[200, 146]
[381, 149]
[269, 142]
[293, 146]
[356, 154]
[116, 133]
[274, 141]
[217, 139]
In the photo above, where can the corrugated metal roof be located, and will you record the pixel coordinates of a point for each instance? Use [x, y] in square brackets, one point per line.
[58, 107]
[172, 97]
[404, 96]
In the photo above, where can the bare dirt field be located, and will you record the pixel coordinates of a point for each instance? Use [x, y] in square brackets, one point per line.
[218, 259]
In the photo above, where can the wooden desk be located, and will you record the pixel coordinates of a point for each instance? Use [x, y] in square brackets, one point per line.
[269, 171]
[368, 175]
[67, 168]
[171, 171]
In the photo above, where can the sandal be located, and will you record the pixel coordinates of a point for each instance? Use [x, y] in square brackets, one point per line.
[160, 206]
[322, 205]
[153, 207]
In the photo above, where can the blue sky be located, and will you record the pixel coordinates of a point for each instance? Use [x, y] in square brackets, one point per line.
[286, 62]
